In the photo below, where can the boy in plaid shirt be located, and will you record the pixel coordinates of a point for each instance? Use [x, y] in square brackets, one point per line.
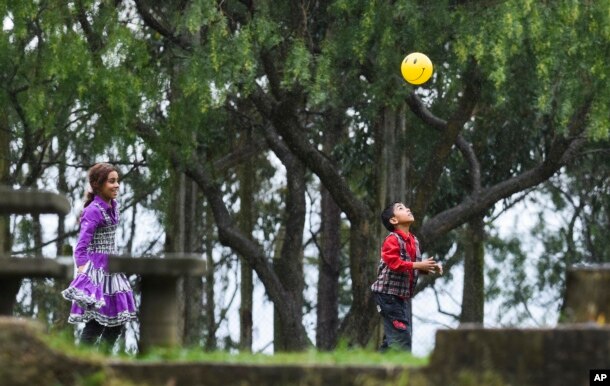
[399, 267]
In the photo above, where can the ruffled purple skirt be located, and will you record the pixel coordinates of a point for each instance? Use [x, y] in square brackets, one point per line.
[99, 295]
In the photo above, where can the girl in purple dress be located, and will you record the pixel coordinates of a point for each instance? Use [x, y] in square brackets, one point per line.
[102, 300]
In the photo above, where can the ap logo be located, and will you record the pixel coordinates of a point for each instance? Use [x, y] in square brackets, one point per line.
[599, 377]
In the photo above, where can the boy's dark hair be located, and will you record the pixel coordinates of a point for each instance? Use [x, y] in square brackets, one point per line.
[387, 214]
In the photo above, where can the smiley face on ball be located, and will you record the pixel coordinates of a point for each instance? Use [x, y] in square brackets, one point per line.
[416, 68]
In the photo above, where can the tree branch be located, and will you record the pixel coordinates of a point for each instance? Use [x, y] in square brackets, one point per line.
[153, 23]
[429, 182]
[421, 111]
[561, 151]
[93, 39]
[240, 155]
[283, 118]
[473, 163]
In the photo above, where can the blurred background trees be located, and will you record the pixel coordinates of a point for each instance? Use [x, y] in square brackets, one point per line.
[267, 136]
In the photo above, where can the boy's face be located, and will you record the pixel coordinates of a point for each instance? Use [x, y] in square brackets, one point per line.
[402, 215]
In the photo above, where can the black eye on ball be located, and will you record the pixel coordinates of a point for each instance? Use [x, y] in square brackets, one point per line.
[415, 61]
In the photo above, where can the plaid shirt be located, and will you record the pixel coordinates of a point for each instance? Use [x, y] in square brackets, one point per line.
[400, 283]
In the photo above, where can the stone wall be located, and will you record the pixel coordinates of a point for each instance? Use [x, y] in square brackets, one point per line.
[25, 359]
[224, 374]
[560, 356]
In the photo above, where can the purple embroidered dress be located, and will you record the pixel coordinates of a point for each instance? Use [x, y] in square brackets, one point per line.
[95, 293]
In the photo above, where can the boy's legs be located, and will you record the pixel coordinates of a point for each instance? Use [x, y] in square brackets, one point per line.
[396, 314]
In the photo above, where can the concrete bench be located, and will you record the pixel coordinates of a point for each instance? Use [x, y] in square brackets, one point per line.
[14, 269]
[32, 202]
[159, 317]
[587, 298]
[158, 312]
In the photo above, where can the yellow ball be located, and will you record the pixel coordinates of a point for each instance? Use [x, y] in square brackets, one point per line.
[416, 68]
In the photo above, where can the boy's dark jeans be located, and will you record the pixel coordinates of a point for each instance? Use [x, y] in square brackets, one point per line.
[397, 321]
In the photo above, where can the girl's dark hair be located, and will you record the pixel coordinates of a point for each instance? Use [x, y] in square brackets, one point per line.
[387, 214]
[98, 174]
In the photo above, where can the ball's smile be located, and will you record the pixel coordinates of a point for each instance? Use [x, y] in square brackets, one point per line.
[420, 75]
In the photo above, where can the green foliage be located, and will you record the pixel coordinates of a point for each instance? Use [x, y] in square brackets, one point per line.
[297, 65]
[337, 357]
[560, 46]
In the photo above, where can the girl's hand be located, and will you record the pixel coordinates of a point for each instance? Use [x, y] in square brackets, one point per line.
[81, 269]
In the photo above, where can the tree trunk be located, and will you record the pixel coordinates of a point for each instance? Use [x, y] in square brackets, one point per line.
[393, 158]
[245, 309]
[62, 309]
[174, 231]
[392, 152]
[37, 235]
[246, 220]
[329, 262]
[210, 304]
[329, 266]
[180, 231]
[289, 265]
[62, 187]
[359, 324]
[473, 299]
[192, 287]
[5, 138]
[289, 333]
[174, 227]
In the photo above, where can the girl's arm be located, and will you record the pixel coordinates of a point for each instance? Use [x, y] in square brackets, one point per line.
[88, 223]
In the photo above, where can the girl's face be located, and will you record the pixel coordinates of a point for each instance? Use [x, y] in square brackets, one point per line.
[110, 189]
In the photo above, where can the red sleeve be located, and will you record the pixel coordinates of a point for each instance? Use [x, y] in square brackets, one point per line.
[390, 254]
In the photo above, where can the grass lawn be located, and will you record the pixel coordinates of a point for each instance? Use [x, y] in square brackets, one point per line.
[64, 342]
